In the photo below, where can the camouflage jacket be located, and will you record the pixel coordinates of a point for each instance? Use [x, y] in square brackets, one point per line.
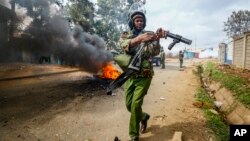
[149, 51]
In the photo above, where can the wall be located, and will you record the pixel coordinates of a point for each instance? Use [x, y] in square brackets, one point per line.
[238, 52]
[247, 60]
[222, 53]
[241, 51]
[189, 55]
[230, 52]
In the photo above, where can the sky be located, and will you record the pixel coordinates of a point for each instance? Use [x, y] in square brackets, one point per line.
[202, 21]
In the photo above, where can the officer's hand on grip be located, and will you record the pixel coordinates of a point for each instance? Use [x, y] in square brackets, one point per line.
[149, 36]
[161, 33]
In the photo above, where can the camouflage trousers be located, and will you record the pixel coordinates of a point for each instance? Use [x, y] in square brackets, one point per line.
[135, 90]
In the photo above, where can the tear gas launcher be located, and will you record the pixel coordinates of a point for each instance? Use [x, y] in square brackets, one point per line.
[135, 62]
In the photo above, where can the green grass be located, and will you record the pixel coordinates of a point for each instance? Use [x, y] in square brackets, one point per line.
[234, 83]
[202, 96]
[214, 122]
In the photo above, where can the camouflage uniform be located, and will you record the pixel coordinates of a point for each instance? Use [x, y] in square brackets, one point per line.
[136, 86]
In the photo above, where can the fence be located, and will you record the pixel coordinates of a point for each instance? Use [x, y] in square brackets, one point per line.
[241, 51]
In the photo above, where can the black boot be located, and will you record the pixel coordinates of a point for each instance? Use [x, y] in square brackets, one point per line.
[117, 139]
[144, 124]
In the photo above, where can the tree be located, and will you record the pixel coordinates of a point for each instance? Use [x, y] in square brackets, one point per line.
[237, 23]
[111, 20]
[108, 18]
[82, 13]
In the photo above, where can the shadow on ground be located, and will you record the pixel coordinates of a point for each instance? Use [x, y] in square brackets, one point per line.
[26, 103]
[189, 132]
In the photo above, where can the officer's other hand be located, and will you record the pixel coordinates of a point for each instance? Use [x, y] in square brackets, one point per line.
[161, 33]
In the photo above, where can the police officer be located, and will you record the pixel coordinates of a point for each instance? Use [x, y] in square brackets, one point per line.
[181, 56]
[162, 55]
[136, 86]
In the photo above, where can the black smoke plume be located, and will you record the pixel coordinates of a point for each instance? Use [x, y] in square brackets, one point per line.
[51, 35]
[4, 3]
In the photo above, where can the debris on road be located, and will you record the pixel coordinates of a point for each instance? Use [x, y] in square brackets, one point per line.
[177, 136]
[162, 98]
[218, 104]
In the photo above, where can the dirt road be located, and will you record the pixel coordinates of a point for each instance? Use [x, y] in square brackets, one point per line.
[72, 106]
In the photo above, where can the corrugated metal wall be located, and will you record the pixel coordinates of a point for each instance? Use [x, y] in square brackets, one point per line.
[247, 60]
[238, 52]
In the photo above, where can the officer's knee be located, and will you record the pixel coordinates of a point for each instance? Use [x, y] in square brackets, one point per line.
[136, 106]
[128, 106]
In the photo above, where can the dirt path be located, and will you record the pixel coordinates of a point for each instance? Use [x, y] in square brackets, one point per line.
[74, 107]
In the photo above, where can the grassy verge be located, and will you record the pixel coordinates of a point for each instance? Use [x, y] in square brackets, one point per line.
[234, 83]
[215, 122]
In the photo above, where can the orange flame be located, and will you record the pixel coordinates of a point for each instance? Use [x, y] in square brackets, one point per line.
[109, 72]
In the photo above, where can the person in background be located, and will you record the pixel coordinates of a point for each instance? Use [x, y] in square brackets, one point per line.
[181, 56]
[162, 55]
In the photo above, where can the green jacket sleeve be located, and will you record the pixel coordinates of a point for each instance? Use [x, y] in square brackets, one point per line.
[124, 41]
